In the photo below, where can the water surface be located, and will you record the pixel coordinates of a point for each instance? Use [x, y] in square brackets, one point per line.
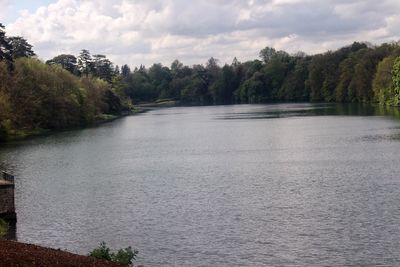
[248, 185]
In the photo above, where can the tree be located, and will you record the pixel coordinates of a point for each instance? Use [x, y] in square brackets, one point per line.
[211, 71]
[160, 78]
[396, 81]
[102, 67]
[125, 71]
[5, 46]
[67, 62]
[274, 73]
[85, 62]
[44, 96]
[6, 84]
[253, 90]
[138, 86]
[267, 53]
[235, 62]
[364, 72]
[382, 84]
[176, 69]
[224, 86]
[117, 70]
[20, 47]
[294, 86]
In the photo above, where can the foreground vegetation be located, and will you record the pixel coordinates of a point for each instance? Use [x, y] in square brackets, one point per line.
[124, 257]
[3, 228]
[19, 254]
[69, 91]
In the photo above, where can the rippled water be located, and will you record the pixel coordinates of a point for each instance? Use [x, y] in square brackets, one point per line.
[249, 185]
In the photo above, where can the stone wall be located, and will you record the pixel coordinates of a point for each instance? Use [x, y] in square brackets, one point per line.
[7, 199]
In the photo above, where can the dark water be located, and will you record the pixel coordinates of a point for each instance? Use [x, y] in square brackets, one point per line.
[251, 185]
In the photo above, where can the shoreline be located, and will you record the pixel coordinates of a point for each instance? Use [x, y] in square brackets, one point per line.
[13, 253]
[21, 135]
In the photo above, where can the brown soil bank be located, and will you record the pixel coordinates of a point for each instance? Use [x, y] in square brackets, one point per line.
[15, 254]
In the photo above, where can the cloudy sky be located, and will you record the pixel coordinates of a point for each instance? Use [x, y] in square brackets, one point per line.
[151, 31]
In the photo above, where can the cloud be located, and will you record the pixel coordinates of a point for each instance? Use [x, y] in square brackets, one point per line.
[144, 32]
[4, 10]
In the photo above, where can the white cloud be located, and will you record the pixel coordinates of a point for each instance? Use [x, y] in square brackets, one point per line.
[5, 9]
[144, 32]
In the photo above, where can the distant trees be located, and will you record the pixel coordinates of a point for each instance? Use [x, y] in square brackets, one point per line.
[71, 91]
[102, 67]
[345, 75]
[5, 46]
[85, 62]
[67, 62]
[383, 86]
[87, 65]
[35, 95]
[20, 47]
[396, 82]
[13, 47]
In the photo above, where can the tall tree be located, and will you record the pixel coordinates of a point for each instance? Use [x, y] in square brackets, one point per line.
[103, 67]
[383, 82]
[160, 78]
[396, 81]
[67, 62]
[5, 46]
[85, 62]
[20, 47]
[125, 71]
[223, 86]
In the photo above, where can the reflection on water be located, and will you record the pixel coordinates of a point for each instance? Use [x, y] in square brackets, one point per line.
[301, 110]
[317, 185]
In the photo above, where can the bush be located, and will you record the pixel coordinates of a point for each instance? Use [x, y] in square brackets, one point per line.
[3, 228]
[123, 256]
[101, 252]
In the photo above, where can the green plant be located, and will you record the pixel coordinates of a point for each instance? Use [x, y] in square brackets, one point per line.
[101, 252]
[123, 256]
[3, 228]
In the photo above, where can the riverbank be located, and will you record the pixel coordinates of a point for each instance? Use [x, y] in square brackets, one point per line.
[161, 103]
[19, 254]
[22, 134]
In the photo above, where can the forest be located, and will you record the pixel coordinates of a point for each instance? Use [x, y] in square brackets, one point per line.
[71, 91]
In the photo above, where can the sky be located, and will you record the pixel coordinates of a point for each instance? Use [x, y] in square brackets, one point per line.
[144, 32]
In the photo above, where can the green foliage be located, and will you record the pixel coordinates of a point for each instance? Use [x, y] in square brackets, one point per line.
[3, 228]
[124, 257]
[85, 62]
[396, 81]
[67, 62]
[5, 46]
[72, 91]
[20, 47]
[101, 252]
[382, 84]
[39, 96]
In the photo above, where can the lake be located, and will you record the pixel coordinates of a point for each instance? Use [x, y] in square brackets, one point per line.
[241, 185]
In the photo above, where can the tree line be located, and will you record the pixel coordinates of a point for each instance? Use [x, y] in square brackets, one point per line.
[71, 91]
[35, 96]
[356, 73]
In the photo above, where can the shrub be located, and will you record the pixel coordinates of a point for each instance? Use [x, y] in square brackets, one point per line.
[123, 256]
[101, 252]
[3, 228]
